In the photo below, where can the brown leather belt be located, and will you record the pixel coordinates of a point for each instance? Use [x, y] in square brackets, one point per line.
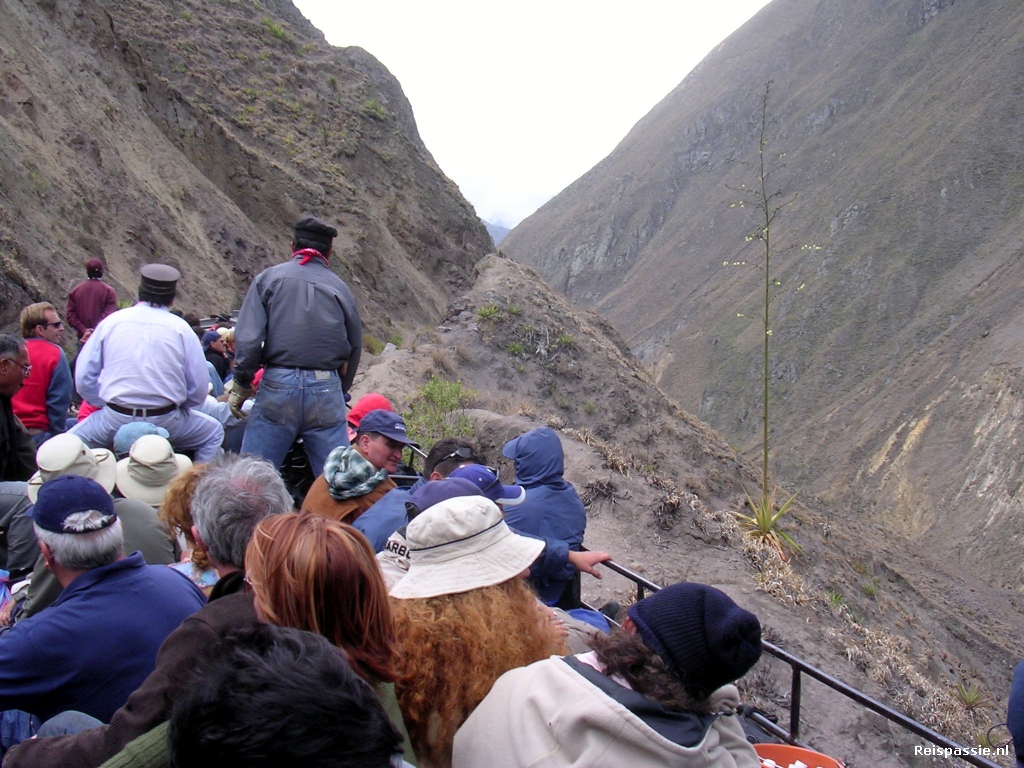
[142, 412]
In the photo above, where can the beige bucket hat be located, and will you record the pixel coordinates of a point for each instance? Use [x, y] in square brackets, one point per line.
[462, 544]
[67, 455]
[150, 467]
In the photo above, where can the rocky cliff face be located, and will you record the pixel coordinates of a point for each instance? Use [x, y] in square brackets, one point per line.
[896, 372]
[196, 133]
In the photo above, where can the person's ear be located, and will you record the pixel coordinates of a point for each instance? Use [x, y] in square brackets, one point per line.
[47, 553]
[436, 476]
[629, 626]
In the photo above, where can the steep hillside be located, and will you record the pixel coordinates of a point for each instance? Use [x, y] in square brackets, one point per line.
[195, 133]
[659, 486]
[897, 370]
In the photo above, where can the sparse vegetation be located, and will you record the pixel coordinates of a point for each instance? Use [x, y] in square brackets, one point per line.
[374, 110]
[870, 588]
[835, 598]
[488, 312]
[972, 696]
[763, 522]
[589, 408]
[768, 201]
[566, 340]
[515, 348]
[438, 411]
[275, 29]
[396, 339]
[372, 344]
[513, 310]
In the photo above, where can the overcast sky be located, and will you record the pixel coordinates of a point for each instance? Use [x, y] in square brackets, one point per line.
[515, 102]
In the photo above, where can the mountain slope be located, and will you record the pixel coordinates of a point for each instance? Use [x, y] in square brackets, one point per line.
[896, 373]
[196, 134]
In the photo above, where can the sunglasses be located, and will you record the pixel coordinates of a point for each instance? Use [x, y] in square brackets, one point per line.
[57, 324]
[462, 452]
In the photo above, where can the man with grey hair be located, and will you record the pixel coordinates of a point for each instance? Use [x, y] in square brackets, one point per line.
[232, 497]
[99, 640]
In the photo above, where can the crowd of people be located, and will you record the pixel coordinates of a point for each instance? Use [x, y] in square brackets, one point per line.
[176, 603]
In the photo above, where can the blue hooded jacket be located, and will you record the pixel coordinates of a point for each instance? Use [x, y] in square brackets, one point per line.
[552, 509]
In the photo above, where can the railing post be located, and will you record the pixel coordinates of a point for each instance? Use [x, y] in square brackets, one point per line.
[794, 705]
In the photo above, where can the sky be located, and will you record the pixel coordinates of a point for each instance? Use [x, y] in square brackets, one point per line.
[516, 102]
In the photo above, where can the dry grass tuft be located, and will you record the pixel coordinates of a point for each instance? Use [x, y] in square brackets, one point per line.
[774, 575]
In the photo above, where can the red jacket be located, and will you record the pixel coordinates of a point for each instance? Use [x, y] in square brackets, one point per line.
[44, 398]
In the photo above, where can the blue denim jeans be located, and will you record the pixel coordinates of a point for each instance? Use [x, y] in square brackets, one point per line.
[293, 403]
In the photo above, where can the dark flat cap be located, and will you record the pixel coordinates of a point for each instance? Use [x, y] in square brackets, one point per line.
[317, 230]
[159, 279]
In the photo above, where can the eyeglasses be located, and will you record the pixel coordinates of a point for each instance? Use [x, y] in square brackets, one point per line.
[57, 324]
[26, 369]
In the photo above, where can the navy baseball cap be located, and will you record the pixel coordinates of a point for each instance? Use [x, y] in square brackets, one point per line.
[435, 491]
[387, 423]
[487, 480]
[64, 496]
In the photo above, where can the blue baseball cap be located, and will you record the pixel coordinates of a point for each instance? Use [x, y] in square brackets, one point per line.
[489, 484]
[387, 423]
[64, 496]
[435, 491]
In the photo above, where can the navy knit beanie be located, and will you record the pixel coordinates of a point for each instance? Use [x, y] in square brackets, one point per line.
[703, 636]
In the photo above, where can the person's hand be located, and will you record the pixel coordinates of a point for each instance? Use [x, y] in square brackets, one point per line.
[5, 613]
[238, 396]
[585, 561]
[86, 335]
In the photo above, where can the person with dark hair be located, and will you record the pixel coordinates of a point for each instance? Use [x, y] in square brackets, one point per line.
[42, 403]
[145, 364]
[232, 497]
[299, 321]
[656, 692]
[389, 513]
[17, 451]
[90, 301]
[214, 349]
[276, 696]
[98, 642]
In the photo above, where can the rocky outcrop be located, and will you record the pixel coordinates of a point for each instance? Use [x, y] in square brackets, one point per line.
[196, 134]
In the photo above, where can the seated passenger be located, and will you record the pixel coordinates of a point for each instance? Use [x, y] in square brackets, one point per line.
[464, 617]
[274, 696]
[368, 402]
[552, 509]
[389, 513]
[355, 476]
[98, 642]
[319, 575]
[656, 692]
[149, 468]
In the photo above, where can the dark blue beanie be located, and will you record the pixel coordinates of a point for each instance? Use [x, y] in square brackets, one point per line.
[703, 636]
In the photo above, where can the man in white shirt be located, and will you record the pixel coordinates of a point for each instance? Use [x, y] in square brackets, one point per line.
[145, 364]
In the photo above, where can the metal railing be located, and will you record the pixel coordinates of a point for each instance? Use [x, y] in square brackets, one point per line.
[800, 667]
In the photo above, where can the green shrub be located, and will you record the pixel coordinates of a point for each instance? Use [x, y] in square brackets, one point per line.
[515, 348]
[372, 344]
[396, 339]
[438, 411]
[275, 29]
[488, 312]
[375, 110]
[566, 340]
[513, 310]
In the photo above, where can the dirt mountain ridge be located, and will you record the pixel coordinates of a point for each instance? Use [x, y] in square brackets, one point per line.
[196, 134]
[896, 372]
[660, 487]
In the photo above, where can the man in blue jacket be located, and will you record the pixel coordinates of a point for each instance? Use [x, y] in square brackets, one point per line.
[98, 642]
[552, 509]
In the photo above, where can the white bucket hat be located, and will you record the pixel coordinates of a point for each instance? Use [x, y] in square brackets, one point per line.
[149, 468]
[462, 544]
[66, 454]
